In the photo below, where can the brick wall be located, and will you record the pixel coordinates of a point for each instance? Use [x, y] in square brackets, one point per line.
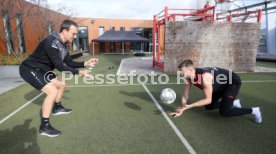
[227, 45]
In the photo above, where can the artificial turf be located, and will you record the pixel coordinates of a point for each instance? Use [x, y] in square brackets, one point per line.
[124, 119]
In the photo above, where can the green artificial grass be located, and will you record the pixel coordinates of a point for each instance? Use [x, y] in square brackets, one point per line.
[266, 64]
[123, 119]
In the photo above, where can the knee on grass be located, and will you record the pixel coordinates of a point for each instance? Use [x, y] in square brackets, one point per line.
[225, 113]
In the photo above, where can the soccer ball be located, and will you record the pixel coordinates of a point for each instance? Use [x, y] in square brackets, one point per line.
[167, 96]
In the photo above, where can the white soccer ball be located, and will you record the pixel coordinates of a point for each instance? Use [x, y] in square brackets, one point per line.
[167, 96]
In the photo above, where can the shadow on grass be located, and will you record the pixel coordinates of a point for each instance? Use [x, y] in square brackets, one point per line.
[32, 94]
[146, 97]
[141, 95]
[132, 106]
[21, 139]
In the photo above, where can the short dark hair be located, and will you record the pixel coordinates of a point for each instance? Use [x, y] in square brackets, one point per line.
[66, 24]
[186, 63]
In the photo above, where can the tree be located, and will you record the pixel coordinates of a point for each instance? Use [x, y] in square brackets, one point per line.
[37, 15]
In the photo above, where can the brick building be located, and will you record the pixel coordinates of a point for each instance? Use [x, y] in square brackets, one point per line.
[24, 25]
[91, 28]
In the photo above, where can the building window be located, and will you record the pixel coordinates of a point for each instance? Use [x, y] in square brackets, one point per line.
[112, 29]
[138, 31]
[101, 31]
[19, 25]
[137, 46]
[122, 46]
[83, 38]
[49, 27]
[122, 29]
[102, 47]
[143, 32]
[7, 29]
[112, 47]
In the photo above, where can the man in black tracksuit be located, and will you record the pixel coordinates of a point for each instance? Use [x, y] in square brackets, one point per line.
[50, 54]
[217, 84]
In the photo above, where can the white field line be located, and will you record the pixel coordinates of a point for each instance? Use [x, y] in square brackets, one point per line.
[258, 81]
[170, 83]
[176, 130]
[107, 85]
[20, 108]
[120, 67]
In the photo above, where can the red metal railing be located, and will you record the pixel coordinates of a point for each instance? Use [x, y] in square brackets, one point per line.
[202, 15]
[238, 13]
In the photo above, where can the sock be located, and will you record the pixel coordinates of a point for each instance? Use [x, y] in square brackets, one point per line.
[255, 110]
[57, 105]
[45, 121]
[237, 103]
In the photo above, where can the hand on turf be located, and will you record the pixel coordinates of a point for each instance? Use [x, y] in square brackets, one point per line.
[175, 114]
[183, 108]
[91, 62]
[179, 111]
[85, 73]
[180, 107]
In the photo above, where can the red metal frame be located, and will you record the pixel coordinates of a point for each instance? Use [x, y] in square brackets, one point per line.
[248, 14]
[250, 11]
[166, 15]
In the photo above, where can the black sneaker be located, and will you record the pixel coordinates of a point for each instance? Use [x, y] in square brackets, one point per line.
[48, 130]
[61, 110]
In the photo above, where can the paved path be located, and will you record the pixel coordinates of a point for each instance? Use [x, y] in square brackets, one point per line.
[144, 66]
[9, 78]
[141, 65]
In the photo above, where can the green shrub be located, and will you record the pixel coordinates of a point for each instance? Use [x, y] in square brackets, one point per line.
[12, 60]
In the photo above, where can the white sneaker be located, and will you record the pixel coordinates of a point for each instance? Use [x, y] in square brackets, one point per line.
[237, 103]
[257, 115]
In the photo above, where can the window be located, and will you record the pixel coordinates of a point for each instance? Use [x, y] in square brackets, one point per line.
[112, 47]
[137, 46]
[122, 28]
[148, 35]
[138, 31]
[112, 29]
[19, 25]
[49, 27]
[102, 47]
[101, 31]
[143, 32]
[82, 31]
[122, 46]
[7, 28]
[83, 38]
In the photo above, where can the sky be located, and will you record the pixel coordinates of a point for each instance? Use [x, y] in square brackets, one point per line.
[128, 9]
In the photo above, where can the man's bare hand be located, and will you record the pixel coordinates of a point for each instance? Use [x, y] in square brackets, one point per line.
[175, 114]
[85, 73]
[179, 111]
[91, 62]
